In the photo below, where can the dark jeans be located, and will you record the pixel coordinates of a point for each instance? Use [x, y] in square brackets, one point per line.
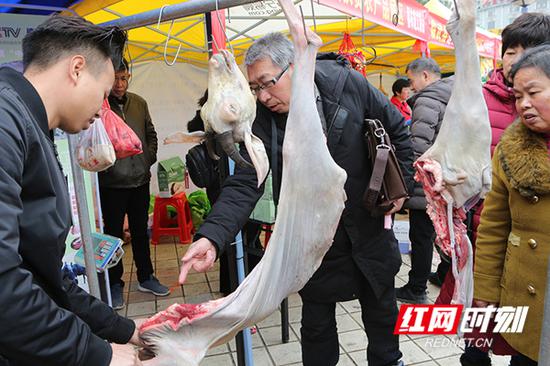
[422, 235]
[473, 356]
[320, 337]
[522, 360]
[117, 202]
[442, 269]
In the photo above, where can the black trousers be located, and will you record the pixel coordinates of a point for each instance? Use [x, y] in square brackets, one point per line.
[320, 337]
[522, 360]
[117, 202]
[422, 235]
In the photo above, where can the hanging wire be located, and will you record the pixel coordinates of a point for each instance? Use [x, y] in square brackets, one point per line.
[168, 39]
[222, 26]
[458, 14]
[130, 63]
[304, 24]
[362, 22]
[313, 14]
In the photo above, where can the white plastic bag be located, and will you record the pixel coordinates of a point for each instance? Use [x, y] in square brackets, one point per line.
[94, 150]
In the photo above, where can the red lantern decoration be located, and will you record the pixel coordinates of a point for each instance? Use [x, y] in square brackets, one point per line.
[354, 55]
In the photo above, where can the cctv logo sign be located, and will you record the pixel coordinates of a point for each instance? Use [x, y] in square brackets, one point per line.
[445, 319]
[428, 319]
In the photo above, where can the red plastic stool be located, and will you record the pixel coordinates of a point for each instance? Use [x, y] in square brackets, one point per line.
[180, 226]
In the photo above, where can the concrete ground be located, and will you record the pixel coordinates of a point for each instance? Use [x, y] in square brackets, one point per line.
[268, 350]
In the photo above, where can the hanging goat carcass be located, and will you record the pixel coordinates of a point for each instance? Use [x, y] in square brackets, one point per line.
[228, 115]
[308, 214]
[456, 170]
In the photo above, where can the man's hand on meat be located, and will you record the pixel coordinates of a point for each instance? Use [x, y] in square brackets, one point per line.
[200, 256]
[136, 340]
[124, 355]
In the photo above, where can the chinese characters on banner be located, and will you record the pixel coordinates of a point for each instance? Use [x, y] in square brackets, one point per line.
[413, 20]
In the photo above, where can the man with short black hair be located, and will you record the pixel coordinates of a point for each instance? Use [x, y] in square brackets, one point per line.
[46, 319]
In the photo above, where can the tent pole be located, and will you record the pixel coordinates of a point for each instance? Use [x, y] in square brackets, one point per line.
[37, 7]
[84, 220]
[171, 12]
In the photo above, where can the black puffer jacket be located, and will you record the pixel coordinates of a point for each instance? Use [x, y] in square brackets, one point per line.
[428, 108]
[45, 319]
[368, 251]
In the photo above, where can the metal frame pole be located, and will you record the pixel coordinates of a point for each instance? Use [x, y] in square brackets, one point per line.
[247, 337]
[544, 350]
[171, 12]
[84, 220]
[36, 7]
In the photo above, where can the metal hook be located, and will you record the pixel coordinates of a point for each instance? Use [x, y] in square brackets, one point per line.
[223, 27]
[456, 10]
[160, 15]
[304, 24]
[168, 39]
[395, 16]
[216, 44]
[313, 15]
[166, 48]
[362, 22]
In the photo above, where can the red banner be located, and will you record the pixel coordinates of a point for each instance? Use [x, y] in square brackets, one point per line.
[413, 20]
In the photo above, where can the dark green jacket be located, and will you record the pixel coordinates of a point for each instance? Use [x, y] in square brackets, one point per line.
[133, 171]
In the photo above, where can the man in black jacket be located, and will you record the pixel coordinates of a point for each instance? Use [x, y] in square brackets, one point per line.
[364, 258]
[45, 318]
[428, 108]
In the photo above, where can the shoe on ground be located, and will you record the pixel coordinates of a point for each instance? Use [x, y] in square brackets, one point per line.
[117, 299]
[435, 280]
[152, 285]
[407, 295]
[466, 360]
[398, 363]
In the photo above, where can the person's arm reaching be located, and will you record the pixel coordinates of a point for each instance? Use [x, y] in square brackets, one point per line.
[237, 199]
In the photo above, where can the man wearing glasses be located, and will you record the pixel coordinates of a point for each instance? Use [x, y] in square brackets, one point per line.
[364, 258]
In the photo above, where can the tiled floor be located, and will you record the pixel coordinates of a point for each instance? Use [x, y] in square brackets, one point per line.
[268, 350]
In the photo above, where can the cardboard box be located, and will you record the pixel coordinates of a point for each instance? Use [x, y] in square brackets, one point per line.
[170, 171]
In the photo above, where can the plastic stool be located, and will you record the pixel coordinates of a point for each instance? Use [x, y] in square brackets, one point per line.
[180, 226]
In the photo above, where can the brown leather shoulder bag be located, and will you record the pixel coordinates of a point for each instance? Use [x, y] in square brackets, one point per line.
[386, 183]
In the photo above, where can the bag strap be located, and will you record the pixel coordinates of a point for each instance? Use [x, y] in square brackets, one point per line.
[274, 163]
[377, 176]
[340, 82]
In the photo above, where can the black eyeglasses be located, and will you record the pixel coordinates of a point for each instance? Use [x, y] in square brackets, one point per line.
[269, 84]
